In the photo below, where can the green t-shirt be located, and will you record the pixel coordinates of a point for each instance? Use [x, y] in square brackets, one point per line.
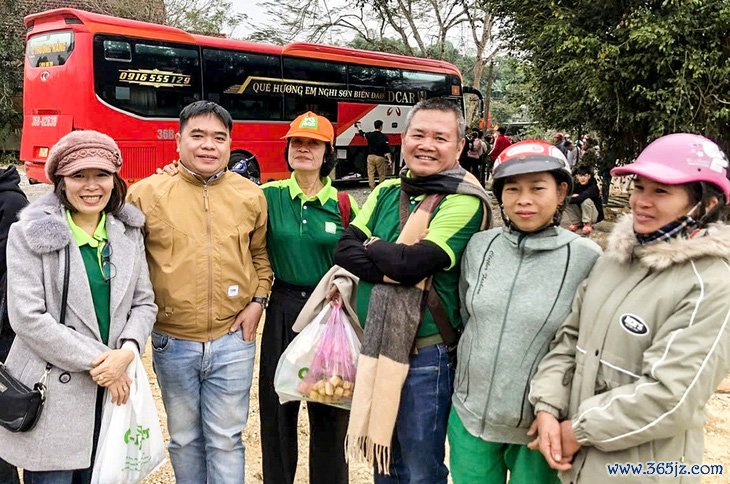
[302, 231]
[452, 224]
[91, 248]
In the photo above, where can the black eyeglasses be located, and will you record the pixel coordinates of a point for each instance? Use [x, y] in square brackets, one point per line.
[108, 271]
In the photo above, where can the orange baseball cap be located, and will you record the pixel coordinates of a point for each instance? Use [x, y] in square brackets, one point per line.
[311, 125]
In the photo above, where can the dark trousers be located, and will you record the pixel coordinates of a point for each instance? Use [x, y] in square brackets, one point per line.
[328, 425]
[8, 472]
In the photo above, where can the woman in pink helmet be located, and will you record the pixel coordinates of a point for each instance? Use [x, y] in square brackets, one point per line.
[648, 339]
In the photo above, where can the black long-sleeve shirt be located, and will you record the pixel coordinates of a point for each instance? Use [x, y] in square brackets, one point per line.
[407, 264]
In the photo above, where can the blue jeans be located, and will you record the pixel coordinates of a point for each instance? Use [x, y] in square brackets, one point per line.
[418, 447]
[205, 389]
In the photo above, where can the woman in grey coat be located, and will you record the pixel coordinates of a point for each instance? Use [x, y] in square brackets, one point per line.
[110, 306]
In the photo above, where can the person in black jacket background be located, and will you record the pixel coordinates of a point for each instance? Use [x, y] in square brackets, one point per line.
[379, 158]
[585, 207]
[12, 200]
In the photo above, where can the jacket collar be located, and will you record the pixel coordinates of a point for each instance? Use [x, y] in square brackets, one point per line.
[191, 177]
[623, 246]
[549, 238]
[46, 230]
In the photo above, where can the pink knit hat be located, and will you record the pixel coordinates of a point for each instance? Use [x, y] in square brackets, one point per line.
[79, 150]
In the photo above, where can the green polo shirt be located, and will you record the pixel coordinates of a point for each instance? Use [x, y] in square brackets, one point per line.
[302, 231]
[452, 224]
[90, 248]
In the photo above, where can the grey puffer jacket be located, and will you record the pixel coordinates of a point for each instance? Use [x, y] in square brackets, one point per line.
[645, 346]
[62, 438]
[515, 291]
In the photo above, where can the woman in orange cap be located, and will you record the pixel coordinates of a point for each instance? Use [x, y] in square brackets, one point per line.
[306, 221]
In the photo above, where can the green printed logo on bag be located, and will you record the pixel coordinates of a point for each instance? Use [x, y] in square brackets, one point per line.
[140, 436]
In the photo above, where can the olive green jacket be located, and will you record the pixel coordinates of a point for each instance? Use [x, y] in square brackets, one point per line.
[645, 346]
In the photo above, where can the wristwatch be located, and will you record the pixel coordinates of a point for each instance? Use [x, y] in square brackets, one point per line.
[263, 300]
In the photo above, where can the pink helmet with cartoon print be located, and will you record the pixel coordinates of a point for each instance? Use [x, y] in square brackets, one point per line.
[681, 158]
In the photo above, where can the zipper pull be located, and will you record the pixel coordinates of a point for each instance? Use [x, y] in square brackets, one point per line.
[205, 198]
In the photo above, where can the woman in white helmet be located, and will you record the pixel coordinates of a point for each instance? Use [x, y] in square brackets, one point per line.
[620, 396]
[516, 287]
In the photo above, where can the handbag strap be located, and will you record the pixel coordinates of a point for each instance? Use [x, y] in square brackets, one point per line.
[64, 294]
[343, 200]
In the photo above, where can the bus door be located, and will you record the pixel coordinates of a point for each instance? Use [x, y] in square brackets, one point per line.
[352, 147]
[474, 107]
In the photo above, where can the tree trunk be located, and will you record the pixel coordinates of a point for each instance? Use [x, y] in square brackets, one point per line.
[488, 93]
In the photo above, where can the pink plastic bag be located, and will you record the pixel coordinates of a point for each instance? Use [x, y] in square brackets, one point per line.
[331, 375]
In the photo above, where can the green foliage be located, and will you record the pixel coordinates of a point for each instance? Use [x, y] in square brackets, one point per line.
[383, 44]
[511, 92]
[11, 73]
[628, 70]
[8, 158]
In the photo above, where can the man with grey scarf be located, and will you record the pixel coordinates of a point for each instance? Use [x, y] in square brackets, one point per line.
[406, 245]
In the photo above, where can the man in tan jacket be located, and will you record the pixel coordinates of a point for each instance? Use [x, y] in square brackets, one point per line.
[206, 247]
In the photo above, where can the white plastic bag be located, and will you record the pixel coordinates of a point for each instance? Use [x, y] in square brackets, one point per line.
[131, 446]
[320, 359]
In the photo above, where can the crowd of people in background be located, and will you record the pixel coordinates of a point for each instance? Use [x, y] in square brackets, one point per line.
[537, 355]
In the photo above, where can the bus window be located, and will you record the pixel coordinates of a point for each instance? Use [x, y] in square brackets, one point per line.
[328, 78]
[51, 49]
[158, 80]
[435, 84]
[372, 76]
[243, 82]
[117, 51]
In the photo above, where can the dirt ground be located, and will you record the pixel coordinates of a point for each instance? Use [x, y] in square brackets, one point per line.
[717, 429]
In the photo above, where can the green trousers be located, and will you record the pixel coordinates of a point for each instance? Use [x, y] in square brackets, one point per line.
[476, 461]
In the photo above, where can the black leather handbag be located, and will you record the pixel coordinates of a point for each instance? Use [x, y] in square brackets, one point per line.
[20, 406]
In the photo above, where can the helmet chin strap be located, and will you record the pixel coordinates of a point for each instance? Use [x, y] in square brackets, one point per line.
[555, 222]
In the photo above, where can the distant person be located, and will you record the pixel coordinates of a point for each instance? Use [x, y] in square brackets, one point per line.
[559, 141]
[475, 149]
[591, 156]
[379, 158]
[571, 154]
[12, 200]
[501, 142]
[585, 207]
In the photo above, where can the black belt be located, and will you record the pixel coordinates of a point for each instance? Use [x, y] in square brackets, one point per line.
[280, 285]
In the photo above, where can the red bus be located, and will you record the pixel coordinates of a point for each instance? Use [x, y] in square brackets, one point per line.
[130, 80]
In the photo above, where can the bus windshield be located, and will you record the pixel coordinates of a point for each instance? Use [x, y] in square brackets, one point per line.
[51, 49]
